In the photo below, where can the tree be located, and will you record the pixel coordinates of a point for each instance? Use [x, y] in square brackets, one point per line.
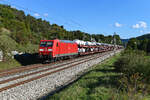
[132, 44]
[148, 46]
[143, 45]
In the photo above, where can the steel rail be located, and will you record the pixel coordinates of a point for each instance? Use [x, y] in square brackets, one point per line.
[46, 74]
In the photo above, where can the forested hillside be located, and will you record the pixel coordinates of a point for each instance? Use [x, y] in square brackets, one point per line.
[21, 32]
[145, 36]
[140, 43]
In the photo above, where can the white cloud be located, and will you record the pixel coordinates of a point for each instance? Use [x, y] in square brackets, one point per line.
[143, 24]
[118, 25]
[36, 14]
[45, 14]
[140, 24]
[136, 26]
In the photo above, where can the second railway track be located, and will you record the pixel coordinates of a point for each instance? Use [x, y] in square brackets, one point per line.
[10, 82]
[43, 72]
[35, 66]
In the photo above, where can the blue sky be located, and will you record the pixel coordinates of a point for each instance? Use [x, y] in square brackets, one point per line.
[128, 18]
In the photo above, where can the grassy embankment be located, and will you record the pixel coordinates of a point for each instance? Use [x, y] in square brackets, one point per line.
[9, 65]
[104, 82]
[8, 44]
[97, 84]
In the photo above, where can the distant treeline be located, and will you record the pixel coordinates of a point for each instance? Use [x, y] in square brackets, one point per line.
[140, 43]
[26, 28]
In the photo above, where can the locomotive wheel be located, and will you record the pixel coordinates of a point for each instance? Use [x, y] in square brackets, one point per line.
[55, 59]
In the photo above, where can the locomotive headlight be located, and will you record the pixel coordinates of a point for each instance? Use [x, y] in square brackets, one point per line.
[49, 49]
[41, 49]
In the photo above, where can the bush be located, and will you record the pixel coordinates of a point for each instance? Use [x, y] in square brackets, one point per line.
[132, 62]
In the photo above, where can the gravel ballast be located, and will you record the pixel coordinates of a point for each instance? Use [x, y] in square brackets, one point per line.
[41, 87]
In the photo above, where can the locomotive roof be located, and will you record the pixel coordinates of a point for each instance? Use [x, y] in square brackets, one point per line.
[66, 41]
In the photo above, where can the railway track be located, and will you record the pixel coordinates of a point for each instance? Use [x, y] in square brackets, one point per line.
[55, 68]
[17, 77]
[32, 67]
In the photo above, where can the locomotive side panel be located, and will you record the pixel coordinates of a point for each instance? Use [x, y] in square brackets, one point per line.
[67, 49]
[55, 48]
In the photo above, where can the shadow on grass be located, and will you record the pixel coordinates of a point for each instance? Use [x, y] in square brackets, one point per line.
[27, 59]
[106, 70]
[110, 81]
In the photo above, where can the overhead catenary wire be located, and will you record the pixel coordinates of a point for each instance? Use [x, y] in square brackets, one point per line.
[68, 22]
[26, 9]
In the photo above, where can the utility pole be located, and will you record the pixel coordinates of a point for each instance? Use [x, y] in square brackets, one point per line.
[99, 40]
[91, 39]
[84, 37]
[114, 40]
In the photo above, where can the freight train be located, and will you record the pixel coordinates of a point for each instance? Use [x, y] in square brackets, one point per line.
[53, 50]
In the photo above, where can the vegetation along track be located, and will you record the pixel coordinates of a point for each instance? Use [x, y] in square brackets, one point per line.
[10, 82]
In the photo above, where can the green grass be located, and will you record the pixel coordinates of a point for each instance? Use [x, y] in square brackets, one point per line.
[148, 57]
[9, 64]
[8, 44]
[97, 84]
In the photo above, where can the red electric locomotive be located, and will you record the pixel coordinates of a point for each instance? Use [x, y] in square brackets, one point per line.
[55, 49]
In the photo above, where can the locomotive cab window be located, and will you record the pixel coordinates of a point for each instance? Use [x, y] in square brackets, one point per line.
[49, 44]
[46, 44]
